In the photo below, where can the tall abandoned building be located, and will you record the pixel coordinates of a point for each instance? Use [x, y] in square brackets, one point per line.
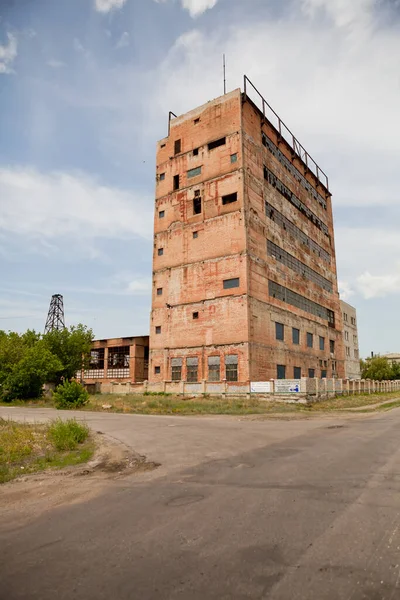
[244, 268]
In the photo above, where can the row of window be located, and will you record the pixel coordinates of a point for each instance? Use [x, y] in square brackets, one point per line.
[348, 353]
[197, 203]
[297, 266]
[227, 284]
[280, 335]
[118, 358]
[346, 337]
[294, 200]
[346, 319]
[297, 372]
[297, 233]
[292, 169]
[211, 145]
[285, 295]
[214, 368]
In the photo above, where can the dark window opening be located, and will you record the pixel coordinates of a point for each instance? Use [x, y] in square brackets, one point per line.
[233, 158]
[332, 346]
[214, 368]
[323, 374]
[279, 331]
[195, 152]
[159, 291]
[231, 283]
[162, 176]
[196, 206]
[195, 315]
[195, 234]
[118, 358]
[158, 329]
[311, 373]
[161, 214]
[157, 370]
[217, 143]
[177, 146]
[297, 372]
[321, 343]
[160, 251]
[231, 367]
[192, 365]
[229, 198]
[176, 369]
[162, 145]
[281, 371]
[176, 182]
[310, 340]
[194, 172]
[196, 120]
[295, 336]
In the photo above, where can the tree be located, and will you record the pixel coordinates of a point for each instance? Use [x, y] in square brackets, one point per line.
[72, 347]
[377, 367]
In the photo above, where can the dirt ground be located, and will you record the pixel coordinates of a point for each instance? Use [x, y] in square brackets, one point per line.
[29, 496]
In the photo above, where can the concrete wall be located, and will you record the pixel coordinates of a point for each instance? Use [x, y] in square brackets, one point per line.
[350, 340]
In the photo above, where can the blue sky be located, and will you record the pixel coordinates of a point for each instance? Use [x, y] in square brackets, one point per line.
[85, 90]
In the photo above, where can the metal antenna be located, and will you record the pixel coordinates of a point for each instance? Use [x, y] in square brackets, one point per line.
[224, 74]
[55, 318]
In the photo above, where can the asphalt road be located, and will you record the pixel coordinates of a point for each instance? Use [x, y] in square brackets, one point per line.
[280, 510]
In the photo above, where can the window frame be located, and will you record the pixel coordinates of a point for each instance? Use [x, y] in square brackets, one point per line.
[294, 342]
[229, 285]
[279, 331]
[310, 340]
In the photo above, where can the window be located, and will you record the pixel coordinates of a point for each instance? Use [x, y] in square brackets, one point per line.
[321, 343]
[176, 369]
[311, 373]
[332, 346]
[195, 234]
[286, 295]
[214, 373]
[159, 291]
[229, 198]
[192, 365]
[281, 371]
[176, 182]
[157, 370]
[196, 206]
[231, 283]
[345, 317]
[162, 145]
[195, 315]
[162, 176]
[160, 251]
[356, 354]
[296, 336]
[323, 374]
[96, 364]
[161, 214]
[158, 329]
[196, 121]
[355, 340]
[297, 372]
[177, 146]
[118, 361]
[233, 158]
[353, 320]
[217, 143]
[334, 367]
[346, 336]
[194, 172]
[347, 351]
[279, 331]
[195, 152]
[231, 367]
[310, 340]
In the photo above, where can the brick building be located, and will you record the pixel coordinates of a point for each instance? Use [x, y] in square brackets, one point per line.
[244, 269]
[350, 338]
[118, 359]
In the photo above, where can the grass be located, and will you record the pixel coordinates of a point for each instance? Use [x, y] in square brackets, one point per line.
[26, 448]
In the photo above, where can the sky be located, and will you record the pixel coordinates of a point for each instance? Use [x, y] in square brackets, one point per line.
[85, 91]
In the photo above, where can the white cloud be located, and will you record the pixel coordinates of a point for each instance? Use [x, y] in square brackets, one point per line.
[8, 53]
[123, 40]
[378, 286]
[345, 290]
[105, 6]
[55, 64]
[195, 7]
[342, 12]
[73, 206]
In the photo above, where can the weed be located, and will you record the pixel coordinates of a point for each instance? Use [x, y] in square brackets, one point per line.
[66, 435]
[70, 394]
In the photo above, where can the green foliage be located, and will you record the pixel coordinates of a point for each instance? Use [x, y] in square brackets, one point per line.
[379, 369]
[70, 394]
[72, 346]
[66, 435]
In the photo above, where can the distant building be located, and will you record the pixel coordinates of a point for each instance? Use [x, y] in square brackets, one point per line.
[393, 357]
[118, 359]
[350, 338]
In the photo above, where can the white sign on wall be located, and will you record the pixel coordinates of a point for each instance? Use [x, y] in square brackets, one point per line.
[287, 386]
[261, 387]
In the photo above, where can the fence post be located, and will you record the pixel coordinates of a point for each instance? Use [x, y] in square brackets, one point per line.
[145, 385]
[316, 387]
[340, 386]
[182, 386]
[225, 384]
[203, 386]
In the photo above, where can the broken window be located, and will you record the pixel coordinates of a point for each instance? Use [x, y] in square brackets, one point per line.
[233, 158]
[161, 214]
[229, 198]
[158, 329]
[176, 369]
[231, 367]
[176, 182]
[279, 331]
[214, 370]
[196, 152]
[195, 315]
[160, 251]
[159, 291]
[332, 346]
[97, 359]
[217, 143]
[196, 206]
[297, 372]
[192, 365]
[194, 172]
[162, 176]
[118, 361]
[177, 146]
[281, 371]
[157, 370]
[231, 283]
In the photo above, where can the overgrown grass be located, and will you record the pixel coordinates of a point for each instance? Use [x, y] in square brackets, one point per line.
[26, 448]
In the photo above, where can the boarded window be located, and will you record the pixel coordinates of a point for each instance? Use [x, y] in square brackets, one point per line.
[177, 146]
[295, 336]
[310, 340]
[281, 371]
[231, 283]
[233, 158]
[231, 367]
[229, 198]
[279, 331]
[214, 368]
[194, 172]
[196, 206]
[176, 182]
[297, 372]
[176, 369]
[192, 367]
[217, 143]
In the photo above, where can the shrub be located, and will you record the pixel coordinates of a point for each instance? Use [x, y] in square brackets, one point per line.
[66, 435]
[70, 394]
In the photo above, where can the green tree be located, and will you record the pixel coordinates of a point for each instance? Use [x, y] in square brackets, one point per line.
[377, 367]
[72, 347]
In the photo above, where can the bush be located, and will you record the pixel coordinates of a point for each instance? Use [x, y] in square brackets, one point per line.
[70, 394]
[66, 435]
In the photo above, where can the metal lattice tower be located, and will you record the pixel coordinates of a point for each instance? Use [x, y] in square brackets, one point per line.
[55, 318]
